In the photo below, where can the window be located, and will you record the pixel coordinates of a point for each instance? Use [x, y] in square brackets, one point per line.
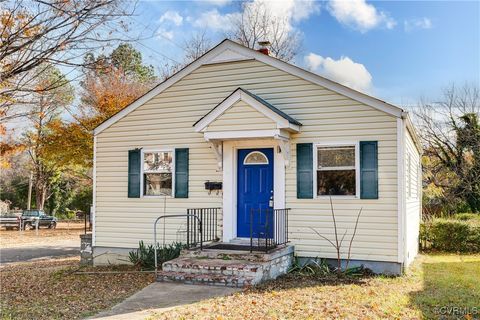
[336, 173]
[157, 173]
[255, 157]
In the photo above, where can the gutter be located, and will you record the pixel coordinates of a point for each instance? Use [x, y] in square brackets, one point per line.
[412, 130]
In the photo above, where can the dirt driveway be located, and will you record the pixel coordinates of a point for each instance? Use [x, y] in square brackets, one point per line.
[26, 245]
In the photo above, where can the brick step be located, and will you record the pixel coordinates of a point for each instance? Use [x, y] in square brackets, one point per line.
[255, 256]
[234, 281]
[213, 266]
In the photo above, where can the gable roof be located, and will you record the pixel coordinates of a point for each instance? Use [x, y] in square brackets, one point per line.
[268, 105]
[228, 50]
[282, 119]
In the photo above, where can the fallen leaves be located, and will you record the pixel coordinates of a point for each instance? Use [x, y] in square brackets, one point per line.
[48, 289]
[310, 297]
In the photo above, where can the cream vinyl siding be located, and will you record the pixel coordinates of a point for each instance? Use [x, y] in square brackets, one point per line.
[166, 122]
[412, 202]
[241, 116]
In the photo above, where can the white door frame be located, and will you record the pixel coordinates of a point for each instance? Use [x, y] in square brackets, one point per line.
[230, 154]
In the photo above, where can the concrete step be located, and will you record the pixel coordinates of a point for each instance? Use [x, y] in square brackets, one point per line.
[259, 257]
[234, 281]
[213, 266]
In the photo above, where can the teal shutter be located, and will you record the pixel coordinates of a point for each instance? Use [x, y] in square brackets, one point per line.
[368, 169]
[134, 173]
[304, 170]
[181, 173]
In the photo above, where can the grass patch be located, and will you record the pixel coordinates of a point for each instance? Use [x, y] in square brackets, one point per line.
[433, 280]
[449, 281]
[50, 290]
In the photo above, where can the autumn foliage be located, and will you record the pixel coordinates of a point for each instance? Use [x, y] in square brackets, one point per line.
[114, 83]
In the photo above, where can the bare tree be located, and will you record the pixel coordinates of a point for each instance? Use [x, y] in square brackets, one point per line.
[37, 32]
[338, 243]
[256, 23]
[197, 46]
[450, 131]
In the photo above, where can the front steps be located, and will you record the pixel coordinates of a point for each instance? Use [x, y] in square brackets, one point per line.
[227, 267]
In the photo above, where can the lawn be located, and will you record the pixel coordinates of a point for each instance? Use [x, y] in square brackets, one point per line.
[434, 281]
[51, 290]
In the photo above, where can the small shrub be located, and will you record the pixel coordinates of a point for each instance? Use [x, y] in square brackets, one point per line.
[144, 256]
[314, 267]
[451, 235]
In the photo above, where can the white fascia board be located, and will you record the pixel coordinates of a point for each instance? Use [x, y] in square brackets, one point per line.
[243, 134]
[218, 111]
[236, 96]
[162, 86]
[253, 54]
[281, 121]
[413, 132]
[314, 78]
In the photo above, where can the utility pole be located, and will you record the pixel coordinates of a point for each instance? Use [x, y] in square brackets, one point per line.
[30, 183]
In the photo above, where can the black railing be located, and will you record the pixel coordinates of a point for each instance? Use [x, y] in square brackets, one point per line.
[202, 226]
[268, 228]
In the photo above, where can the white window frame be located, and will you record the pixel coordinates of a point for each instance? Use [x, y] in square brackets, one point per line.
[142, 191]
[355, 144]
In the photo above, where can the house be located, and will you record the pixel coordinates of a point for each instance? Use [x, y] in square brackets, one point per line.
[242, 131]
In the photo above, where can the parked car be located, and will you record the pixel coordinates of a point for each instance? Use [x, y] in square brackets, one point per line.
[29, 219]
[9, 221]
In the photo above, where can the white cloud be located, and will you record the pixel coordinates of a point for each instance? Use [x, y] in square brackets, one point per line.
[168, 34]
[213, 19]
[172, 16]
[344, 70]
[292, 11]
[412, 24]
[360, 15]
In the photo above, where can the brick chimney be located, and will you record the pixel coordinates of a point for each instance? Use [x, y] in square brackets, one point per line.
[264, 47]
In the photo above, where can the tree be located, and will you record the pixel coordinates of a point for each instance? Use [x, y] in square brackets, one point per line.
[115, 81]
[196, 47]
[47, 108]
[256, 23]
[450, 131]
[35, 34]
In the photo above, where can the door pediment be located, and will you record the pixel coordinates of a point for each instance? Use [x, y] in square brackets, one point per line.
[243, 110]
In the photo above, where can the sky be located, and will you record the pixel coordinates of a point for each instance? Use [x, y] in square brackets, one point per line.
[398, 51]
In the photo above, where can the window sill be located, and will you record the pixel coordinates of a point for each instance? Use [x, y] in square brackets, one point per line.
[336, 197]
[157, 197]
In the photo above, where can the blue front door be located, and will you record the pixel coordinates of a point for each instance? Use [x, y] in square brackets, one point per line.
[254, 189]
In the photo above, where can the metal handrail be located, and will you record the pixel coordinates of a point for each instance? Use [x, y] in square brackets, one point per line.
[171, 216]
[279, 233]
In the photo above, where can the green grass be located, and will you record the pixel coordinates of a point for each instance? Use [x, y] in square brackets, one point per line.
[433, 281]
[449, 281]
